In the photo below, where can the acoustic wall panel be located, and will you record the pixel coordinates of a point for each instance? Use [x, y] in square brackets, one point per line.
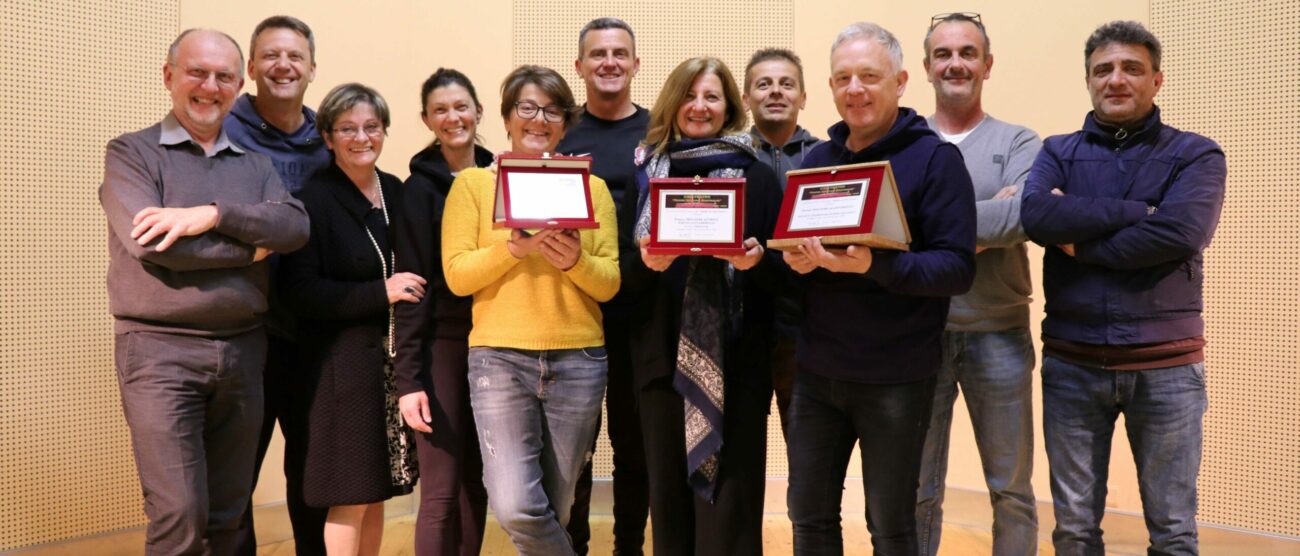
[75, 74]
[1231, 74]
[667, 33]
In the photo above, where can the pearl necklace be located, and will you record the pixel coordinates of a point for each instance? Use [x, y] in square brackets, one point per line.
[383, 264]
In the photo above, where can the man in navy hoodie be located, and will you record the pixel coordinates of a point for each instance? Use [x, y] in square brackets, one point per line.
[874, 319]
[1125, 207]
[282, 63]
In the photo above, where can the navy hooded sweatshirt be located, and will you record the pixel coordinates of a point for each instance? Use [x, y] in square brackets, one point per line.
[886, 327]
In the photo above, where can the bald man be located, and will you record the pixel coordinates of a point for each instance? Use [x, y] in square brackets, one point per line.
[191, 219]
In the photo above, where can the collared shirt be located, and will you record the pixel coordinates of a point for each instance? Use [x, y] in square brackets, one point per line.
[206, 284]
[173, 133]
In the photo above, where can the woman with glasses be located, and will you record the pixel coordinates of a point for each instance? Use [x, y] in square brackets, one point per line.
[537, 360]
[343, 287]
[703, 353]
[432, 335]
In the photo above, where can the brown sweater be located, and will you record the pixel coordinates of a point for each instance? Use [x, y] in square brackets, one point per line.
[208, 284]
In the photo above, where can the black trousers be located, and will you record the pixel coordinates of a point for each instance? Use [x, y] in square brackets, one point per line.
[285, 399]
[685, 524]
[888, 422]
[631, 483]
[453, 501]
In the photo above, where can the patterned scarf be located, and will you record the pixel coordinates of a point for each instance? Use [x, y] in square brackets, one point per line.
[710, 311]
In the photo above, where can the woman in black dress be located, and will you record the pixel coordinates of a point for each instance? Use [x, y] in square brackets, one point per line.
[701, 356]
[433, 335]
[343, 287]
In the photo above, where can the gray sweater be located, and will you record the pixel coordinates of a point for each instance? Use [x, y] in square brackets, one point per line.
[997, 154]
[207, 284]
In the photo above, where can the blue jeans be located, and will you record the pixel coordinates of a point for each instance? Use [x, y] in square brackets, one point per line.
[994, 371]
[536, 413]
[827, 417]
[1162, 414]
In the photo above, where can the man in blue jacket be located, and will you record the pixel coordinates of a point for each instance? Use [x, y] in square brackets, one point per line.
[1125, 207]
[874, 319]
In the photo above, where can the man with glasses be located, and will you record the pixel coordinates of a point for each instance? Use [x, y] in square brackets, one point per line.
[873, 325]
[192, 218]
[987, 351]
[1125, 207]
[609, 130]
[775, 94]
[282, 63]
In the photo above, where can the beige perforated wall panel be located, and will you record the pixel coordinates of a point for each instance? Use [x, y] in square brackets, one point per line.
[74, 74]
[1231, 74]
[668, 32]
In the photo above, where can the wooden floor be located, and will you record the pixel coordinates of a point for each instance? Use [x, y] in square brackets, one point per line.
[399, 532]
[966, 531]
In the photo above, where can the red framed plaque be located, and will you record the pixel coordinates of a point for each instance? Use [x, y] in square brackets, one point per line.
[697, 216]
[856, 204]
[535, 192]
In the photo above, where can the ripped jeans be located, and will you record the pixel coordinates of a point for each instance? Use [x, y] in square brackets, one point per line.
[536, 413]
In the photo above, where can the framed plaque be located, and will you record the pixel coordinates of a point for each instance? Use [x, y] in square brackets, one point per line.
[697, 216]
[856, 204]
[535, 192]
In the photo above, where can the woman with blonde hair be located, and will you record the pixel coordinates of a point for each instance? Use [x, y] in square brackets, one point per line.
[702, 355]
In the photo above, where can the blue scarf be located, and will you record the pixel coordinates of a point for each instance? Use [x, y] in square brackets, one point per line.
[710, 306]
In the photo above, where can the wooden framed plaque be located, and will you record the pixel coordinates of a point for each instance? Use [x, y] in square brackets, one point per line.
[697, 216]
[856, 204]
[535, 192]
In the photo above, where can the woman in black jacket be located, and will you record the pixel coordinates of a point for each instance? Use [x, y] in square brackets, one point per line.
[708, 337]
[343, 287]
[432, 335]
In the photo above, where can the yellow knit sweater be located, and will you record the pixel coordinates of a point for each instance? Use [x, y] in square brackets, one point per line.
[526, 303]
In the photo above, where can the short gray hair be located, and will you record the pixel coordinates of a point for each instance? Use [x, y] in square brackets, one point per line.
[600, 24]
[870, 31]
[1122, 32]
[344, 97]
[174, 49]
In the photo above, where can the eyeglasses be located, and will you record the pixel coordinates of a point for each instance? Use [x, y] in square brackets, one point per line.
[225, 79]
[528, 110]
[956, 16]
[349, 132]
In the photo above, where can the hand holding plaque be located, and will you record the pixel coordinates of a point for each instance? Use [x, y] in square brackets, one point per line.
[696, 216]
[538, 192]
[842, 205]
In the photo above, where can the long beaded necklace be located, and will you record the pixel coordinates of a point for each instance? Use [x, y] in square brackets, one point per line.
[383, 265]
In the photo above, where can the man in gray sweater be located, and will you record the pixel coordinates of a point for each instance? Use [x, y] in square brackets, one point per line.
[987, 352]
[191, 219]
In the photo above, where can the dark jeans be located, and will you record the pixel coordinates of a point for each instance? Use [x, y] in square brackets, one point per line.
[194, 406]
[1162, 411]
[783, 370]
[827, 417]
[684, 523]
[631, 482]
[453, 502]
[282, 387]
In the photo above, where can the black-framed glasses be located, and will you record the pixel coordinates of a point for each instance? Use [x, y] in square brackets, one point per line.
[528, 110]
[972, 17]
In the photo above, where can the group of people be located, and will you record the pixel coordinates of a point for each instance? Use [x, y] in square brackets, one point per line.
[263, 268]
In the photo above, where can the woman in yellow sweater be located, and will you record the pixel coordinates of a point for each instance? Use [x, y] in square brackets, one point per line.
[537, 360]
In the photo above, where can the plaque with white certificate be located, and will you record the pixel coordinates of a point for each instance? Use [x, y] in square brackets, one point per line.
[696, 216]
[856, 204]
[535, 192]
